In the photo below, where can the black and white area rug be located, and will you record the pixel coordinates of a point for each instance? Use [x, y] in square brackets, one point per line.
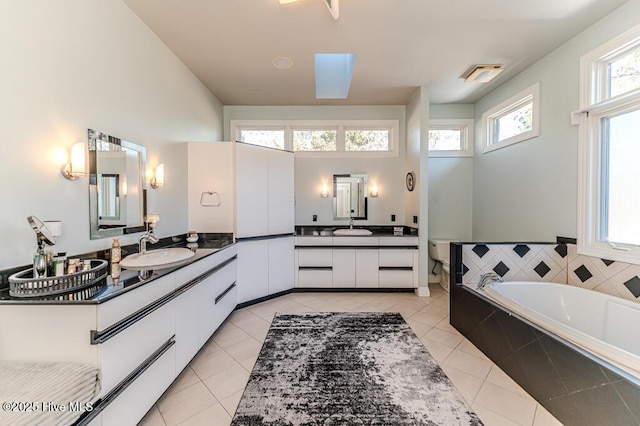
[329, 369]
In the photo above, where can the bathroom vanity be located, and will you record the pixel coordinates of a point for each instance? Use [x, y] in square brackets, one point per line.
[380, 260]
[140, 333]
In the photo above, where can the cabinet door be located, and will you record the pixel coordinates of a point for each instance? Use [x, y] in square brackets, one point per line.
[253, 270]
[226, 293]
[281, 208]
[206, 309]
[344, 267]
[281, 264]
[252, 191]
[367, 268]
[187, 342]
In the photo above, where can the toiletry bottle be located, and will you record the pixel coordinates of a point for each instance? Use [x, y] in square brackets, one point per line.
[39, 264]
[116, 255]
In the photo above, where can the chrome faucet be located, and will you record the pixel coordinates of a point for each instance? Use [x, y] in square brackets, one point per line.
[488, 278]
[144, 238]
[351, 223]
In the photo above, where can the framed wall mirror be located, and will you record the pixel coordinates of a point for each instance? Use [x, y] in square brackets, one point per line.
[350, 196]
[117, 188]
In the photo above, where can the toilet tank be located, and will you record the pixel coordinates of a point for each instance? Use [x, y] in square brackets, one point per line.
[439, 250]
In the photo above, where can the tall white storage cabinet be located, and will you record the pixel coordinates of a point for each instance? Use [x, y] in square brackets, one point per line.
[259, 187]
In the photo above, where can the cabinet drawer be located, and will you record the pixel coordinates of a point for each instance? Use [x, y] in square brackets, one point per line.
[315, 278]
[399, 241]
[313, 257]
[122, 353]
[395, 257]
[132, 404]
[397, 278]
[226, 303]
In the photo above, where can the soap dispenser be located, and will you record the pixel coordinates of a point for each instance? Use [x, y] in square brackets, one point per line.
[116, 256]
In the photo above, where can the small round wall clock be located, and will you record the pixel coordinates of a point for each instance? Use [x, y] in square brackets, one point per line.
[410, 181]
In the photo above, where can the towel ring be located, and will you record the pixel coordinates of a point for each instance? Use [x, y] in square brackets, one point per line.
[212, 193]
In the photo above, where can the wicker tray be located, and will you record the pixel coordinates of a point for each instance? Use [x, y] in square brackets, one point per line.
[22, 284]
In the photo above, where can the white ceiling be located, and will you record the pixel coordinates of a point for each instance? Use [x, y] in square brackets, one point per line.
[400, 44]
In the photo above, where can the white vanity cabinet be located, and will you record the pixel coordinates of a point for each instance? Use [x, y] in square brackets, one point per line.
[140, 339]
[356, 262]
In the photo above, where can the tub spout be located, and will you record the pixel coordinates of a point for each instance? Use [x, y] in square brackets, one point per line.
[488, 278]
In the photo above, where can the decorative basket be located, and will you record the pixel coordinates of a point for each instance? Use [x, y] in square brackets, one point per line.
[22, 284]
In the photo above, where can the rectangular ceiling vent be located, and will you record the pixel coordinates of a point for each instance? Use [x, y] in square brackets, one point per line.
[482, 73]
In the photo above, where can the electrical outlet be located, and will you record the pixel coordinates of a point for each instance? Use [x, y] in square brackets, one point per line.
[315, 217]
[393, 218]
[415, 219]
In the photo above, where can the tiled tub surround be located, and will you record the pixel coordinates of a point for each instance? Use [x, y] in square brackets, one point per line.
[563, 378]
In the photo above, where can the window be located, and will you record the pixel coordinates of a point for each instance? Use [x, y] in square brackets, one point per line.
[450, 138]
[346, 138]
[263, 137]
[609, 150]
[514, 120]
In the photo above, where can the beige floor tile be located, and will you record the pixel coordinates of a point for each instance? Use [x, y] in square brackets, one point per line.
[514, 407]
[210, 348]
[257, 329]
[477, 367]
[249, 363]
[231, 402]
[446, 326]
[443, 337]
[544, 418]
[212, 416]
[228, 382]
[490, 418]
[438, 351]
[229, 334]
[242, 316]
[418, 328]
[403, 309]
[152, 418]
[502, 379]
[206, 365]
[244, 350]
[185, 379]
[428, 317]
[467, 384]
[178, 407]
[471, 349]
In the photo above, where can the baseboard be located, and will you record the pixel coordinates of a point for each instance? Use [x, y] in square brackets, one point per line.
[423, 291]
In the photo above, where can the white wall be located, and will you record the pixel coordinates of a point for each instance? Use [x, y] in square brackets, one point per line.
[310, 173]
[71, 65]
[528, 191]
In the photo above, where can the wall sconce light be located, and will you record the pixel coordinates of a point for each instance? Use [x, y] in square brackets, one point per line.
[324, 192]
[77, 165]
[374, 190]
[157, 181]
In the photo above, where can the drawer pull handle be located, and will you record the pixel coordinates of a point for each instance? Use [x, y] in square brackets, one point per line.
[224, 293]
[315, 268]
[395, 268]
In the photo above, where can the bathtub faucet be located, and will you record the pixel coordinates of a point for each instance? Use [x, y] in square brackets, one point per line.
[488, 278]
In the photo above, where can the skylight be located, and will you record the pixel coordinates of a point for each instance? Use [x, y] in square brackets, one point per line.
[333, 74]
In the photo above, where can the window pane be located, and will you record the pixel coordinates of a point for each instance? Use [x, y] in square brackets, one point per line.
[270, 138]
[624, 74]
[621, 218]
[366, 140]
[314, 140]
[514, 123]
[445, 140]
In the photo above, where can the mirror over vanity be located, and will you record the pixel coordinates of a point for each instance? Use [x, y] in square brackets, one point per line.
[117, 189]
[350, 196]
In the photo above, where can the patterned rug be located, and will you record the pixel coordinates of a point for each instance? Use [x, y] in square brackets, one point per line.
[330, 369]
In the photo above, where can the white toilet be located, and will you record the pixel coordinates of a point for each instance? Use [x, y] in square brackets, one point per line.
[439, 250]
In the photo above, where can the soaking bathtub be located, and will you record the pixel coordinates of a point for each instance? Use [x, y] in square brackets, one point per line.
[603, 325]
[575, 351]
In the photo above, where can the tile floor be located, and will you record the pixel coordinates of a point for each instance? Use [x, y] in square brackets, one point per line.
[209, 389]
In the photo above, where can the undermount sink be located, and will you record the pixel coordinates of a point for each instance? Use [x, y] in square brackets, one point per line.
[353, 232]
[156, 259]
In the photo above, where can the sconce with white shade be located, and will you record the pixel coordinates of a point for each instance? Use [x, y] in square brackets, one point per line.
[77, 165]
[157, 181]
[324, 192]
[373, 191]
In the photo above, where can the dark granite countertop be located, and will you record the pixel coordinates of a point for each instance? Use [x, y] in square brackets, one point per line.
[377, 231]
[129, 279]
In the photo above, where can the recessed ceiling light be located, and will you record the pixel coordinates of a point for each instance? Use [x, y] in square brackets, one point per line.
[482, 73]
[282, 62]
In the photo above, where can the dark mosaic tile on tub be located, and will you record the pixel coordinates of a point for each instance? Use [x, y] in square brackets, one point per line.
[634, 286]
[607, 262]
[561, 249]
[583, 273]
[480, 250]
[501, 269]
[521, 249]
[542, 269]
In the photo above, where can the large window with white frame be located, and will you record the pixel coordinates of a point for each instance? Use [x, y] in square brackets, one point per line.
[514, 120]
[451, 138]
[609, 150]
[375, 138]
